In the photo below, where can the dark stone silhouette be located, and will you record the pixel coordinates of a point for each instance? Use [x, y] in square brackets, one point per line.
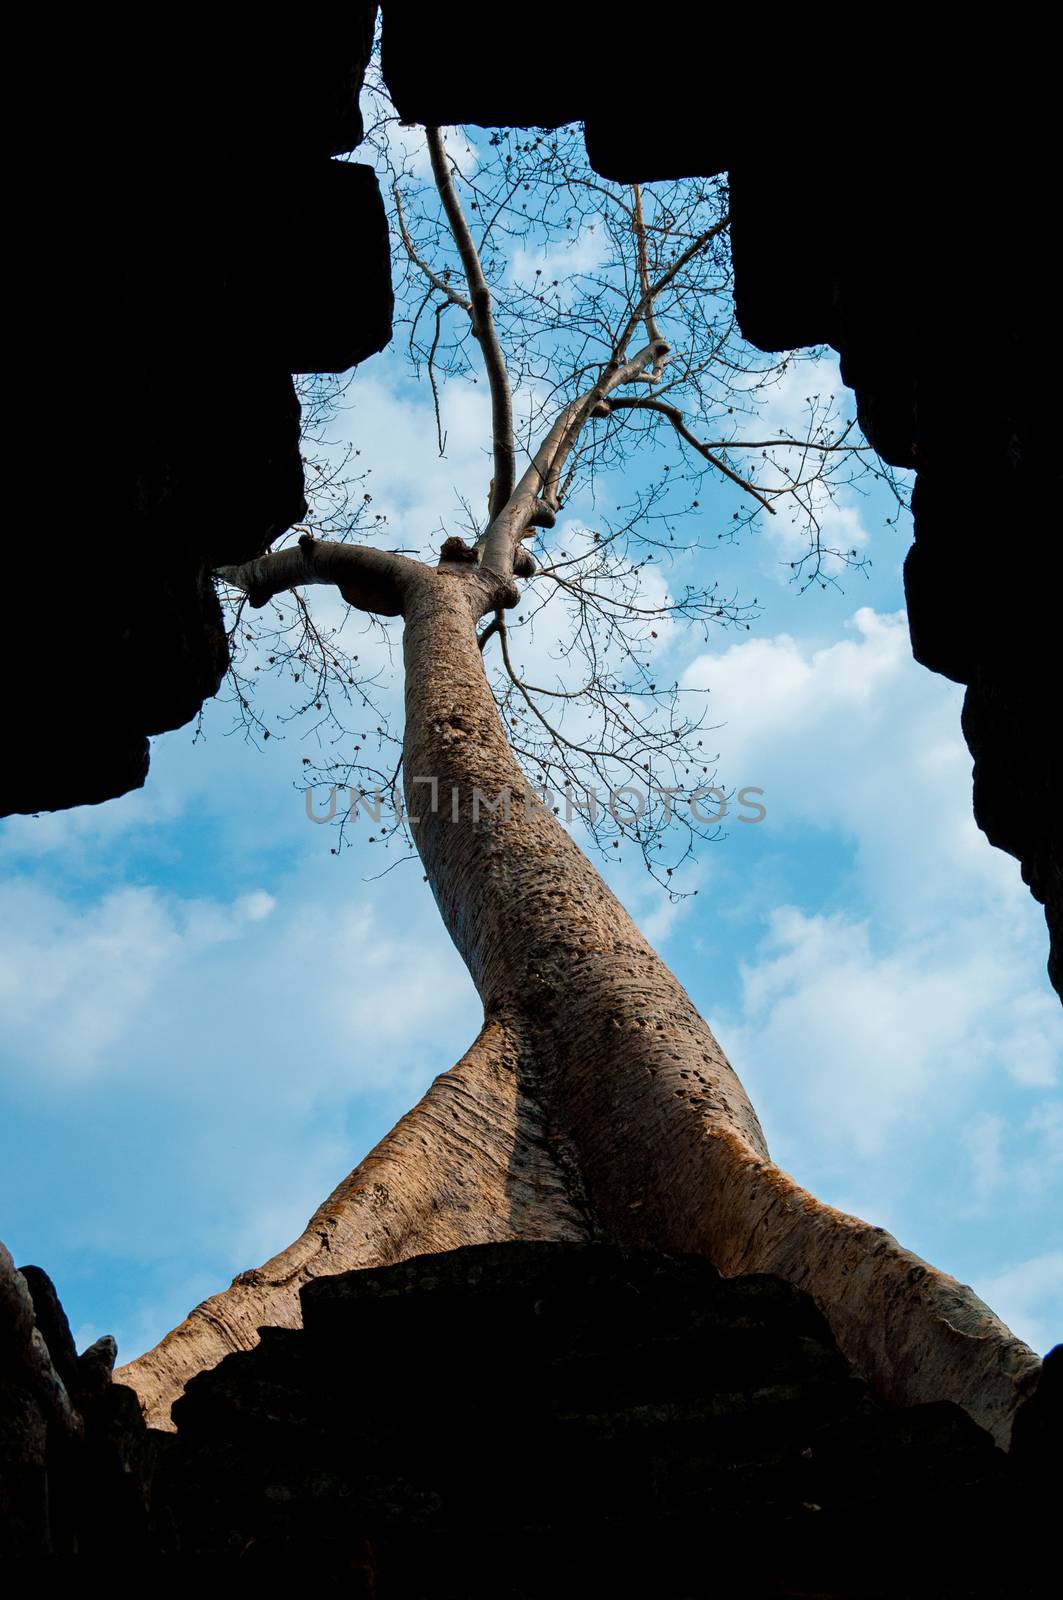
[540, 1418]
[75, 1456]
[1037, 1436]
[198, 246]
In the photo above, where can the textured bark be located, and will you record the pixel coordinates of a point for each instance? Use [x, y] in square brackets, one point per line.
[595, 1103]
[468, 1165]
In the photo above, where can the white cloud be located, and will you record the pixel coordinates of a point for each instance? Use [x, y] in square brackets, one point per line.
[783, 404]
[416, 488]
[663, 917]
[841, 531]
[89, 991]
[783, 409]
[856, 737]
[254, 907]
[586, 251]
[848, 1046]
[1029, 1298]
[983, 1139]
[71, 979]
[201, 1073]
[1035, 1165]
[408, 146]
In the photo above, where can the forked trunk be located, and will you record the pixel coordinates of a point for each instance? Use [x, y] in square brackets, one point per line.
[595, 1102]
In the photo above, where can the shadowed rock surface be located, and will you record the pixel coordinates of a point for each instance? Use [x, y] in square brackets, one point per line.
[188, 244]
[539, 1418]
[524, 1420]
[74, 1452]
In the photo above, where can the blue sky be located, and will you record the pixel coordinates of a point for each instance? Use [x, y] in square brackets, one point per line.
[211, 1018]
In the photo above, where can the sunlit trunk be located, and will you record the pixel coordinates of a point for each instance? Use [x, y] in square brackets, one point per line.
[595, 1102]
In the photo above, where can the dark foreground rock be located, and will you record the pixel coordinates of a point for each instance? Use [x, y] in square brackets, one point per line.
[524, 1420]
[534, 1419]
[188, 242]
[75, 1456]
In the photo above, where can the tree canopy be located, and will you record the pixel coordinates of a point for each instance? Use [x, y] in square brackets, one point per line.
[600, 320]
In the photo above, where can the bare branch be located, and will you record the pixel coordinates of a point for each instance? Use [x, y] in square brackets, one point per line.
[836, 447]
[675, 417]
[650, 294]
[483, 327]
[536, 496]
[433, 277]
[496, 625]
[441, 437]
[370, 580]
[653, 332]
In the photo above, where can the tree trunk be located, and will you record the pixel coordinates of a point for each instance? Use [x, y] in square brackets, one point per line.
[595, 1102]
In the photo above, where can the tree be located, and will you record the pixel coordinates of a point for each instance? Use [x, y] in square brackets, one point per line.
[595, 1101]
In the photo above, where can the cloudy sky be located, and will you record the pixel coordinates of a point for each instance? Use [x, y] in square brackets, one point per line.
[211, 1017]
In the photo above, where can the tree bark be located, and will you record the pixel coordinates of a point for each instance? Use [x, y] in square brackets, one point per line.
[595, 1102]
